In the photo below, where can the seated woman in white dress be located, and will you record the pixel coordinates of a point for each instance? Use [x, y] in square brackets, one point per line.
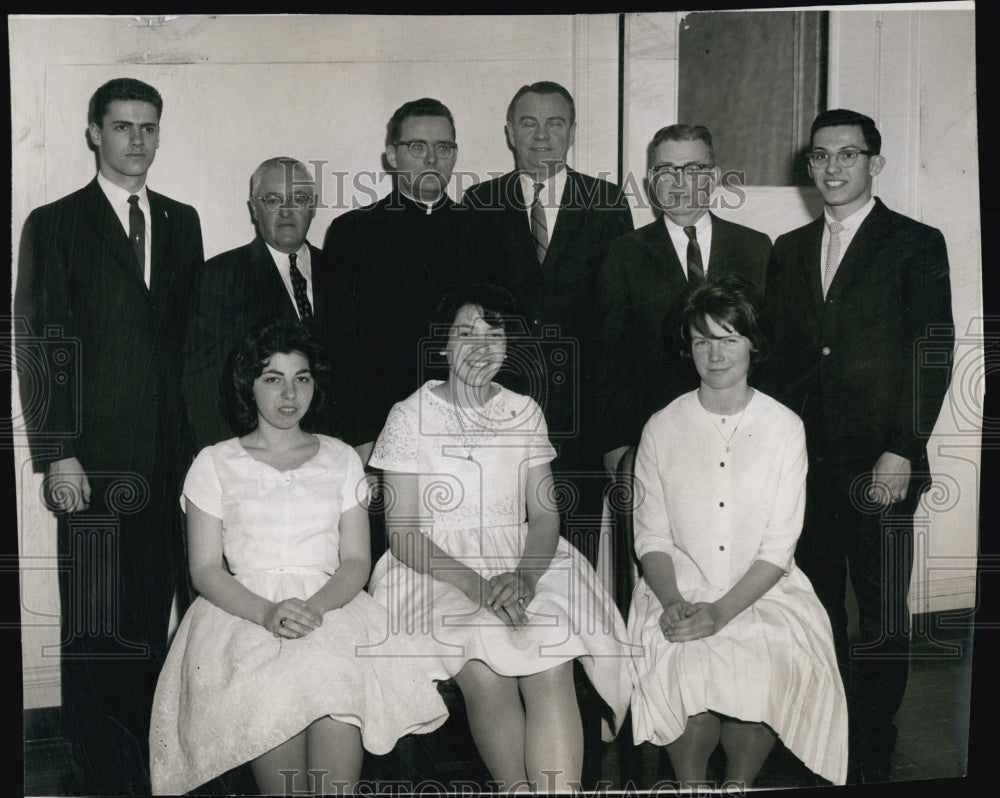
[477, 565]
[734, 646]
[268, 664]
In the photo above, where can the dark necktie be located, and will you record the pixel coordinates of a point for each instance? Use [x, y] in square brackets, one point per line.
[539, 229]
[137, 233]
[299, 288]
[696, 271]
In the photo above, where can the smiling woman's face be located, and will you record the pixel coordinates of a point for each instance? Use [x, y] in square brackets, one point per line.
[475, 350]
[722, 357]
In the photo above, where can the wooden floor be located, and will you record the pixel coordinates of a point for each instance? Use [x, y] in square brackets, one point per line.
[932, 744]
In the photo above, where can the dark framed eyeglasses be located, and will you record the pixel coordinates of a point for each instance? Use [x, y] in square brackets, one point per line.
[275, 202]
[680, 171]
[419, 148]
[820, 158]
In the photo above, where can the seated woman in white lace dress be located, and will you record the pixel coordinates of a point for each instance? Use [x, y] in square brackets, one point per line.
[269, 664]
[732, 643]
[476, 565]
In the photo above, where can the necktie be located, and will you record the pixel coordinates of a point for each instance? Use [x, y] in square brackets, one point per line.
[832, 255]
[539, 229]
[299, 288]
[696, 271]
[137, 233]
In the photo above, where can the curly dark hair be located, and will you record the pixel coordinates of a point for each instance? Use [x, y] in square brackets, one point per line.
[251, 356]
[732, 302]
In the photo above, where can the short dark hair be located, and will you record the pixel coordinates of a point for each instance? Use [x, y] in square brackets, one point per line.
[253, 353]
[425, 106]
[542, 87]
[123, 89]
[731, 301]
[841, 116]
[497, 304]
[684, 133]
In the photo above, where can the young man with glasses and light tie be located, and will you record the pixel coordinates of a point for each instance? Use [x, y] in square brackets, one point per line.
[392, 261]
[277, 275]
[858, 299]
[643, 280]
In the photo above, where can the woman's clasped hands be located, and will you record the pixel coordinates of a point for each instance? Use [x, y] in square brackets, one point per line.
[509, 594]
[291, 618]
[683, 621]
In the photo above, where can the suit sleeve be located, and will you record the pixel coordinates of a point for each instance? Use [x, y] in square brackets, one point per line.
[928, 325]
[49, 357]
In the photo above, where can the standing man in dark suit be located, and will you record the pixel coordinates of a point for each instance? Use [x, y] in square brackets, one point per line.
[392, 262]
[541, 231]
[106, 273]
[277, 275]
[643, 280]
[858, 298]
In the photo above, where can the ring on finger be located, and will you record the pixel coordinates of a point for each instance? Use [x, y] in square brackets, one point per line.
[282, 622]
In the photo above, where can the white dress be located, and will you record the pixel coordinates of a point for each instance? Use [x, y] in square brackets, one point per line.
[230, 690]
[716, 512]
[472, 480]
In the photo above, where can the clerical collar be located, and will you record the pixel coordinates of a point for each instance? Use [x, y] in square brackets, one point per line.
[424, 207]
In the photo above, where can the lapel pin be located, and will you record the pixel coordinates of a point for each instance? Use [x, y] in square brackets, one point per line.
[165, 216]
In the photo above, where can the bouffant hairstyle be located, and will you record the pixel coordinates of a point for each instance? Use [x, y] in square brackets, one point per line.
[252, 355]
[496, 302]
[734, 303]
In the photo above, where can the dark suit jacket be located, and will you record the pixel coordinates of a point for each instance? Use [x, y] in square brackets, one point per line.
[640, 292]
[868, 368]
[556, 297]
[238, 292]
[112, 347]
[390, 263]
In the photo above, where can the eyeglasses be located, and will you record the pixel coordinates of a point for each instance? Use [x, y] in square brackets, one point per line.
[418, 148]
[275, 202]
[845, 158]
[679, 172]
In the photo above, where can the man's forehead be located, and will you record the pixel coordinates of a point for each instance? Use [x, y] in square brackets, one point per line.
[546, 105]
[437, 128]
[678, 152]
[281, 176]
[839, 137]
[131, 111]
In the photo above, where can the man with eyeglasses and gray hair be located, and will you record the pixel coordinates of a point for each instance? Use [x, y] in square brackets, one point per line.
[860, 301]
[392, 261]
[643, 279]
[277, 275]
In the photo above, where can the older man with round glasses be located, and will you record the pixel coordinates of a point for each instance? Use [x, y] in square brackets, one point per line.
[277, 275]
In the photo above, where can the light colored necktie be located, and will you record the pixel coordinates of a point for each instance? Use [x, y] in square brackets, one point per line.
[299, 288]
[539, 228]
[832, 255]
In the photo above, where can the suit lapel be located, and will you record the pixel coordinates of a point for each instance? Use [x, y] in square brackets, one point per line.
[569, 219]
[812, 262]
[267, 280]
[319, 296]
[856, 260]
[518, 228]
[658, 242]
[162, 226]
[108, 228]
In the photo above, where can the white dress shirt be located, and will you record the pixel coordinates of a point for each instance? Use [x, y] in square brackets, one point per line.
[118, 197]
[303, 263]
[551, 196]
[703, 230]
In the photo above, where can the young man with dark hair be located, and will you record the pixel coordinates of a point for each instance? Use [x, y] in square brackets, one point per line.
[858, 299]
[108, 270]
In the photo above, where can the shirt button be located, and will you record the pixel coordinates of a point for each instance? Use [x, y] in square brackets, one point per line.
[722, 548]
[825, 350]
[722, 465]
[722, 504]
